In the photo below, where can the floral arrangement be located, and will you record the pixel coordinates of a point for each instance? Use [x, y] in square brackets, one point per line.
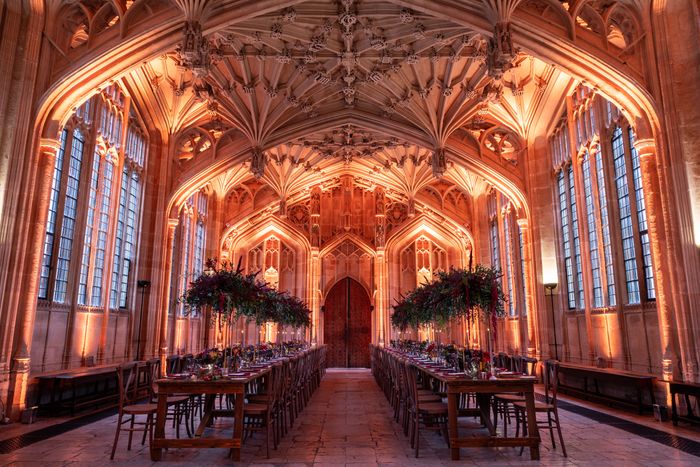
[230, 294]
[210, 357]
[454, 293]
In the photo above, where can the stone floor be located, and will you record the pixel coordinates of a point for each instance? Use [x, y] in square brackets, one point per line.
[348, 422]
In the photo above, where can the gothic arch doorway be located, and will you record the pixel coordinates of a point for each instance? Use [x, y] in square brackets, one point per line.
[347, 325]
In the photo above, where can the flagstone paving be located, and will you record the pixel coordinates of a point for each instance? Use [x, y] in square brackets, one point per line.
[348, 422]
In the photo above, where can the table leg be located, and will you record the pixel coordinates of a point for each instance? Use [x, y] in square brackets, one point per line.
[484, 402]
[532, 430]
[674, 410]
[639, 401]
[209, 401]
[238, 427]
[452, 411]
[157, 453]
[72, 400]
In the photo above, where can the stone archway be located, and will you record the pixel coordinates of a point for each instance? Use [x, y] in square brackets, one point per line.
[347, 325]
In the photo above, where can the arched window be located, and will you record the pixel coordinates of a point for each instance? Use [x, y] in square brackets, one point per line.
[429, 259]
[94, 206]
[493, 231]
[189, 246]
[505, 240]
[633, 220]
[272, 262]
[127, 216]
[604, 157]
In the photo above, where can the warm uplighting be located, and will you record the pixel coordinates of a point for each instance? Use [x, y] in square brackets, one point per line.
[550, 274]
[696, 224]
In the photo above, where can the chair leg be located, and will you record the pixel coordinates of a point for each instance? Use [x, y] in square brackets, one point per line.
[267, 435]
[116, 437]
[150, 430]
[417, 422]
[551, 431]
[561, 437]
[131, 433]
[524, 419]
[145, 428]
[188, 416]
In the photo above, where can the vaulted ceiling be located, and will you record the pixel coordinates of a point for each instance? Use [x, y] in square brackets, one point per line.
[271, 92]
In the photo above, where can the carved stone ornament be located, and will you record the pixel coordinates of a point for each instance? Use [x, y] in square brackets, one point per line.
[194, 51]
[258, 162]
[439, 162]
[501, 52]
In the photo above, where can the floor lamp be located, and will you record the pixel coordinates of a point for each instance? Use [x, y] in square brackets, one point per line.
[549, 290]
[142, 285]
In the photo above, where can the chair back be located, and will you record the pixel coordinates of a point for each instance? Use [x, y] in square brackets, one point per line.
[152, 373]
[529, 365]
[411, 385]
[516, 363]
[551, 381]
[127, 379]
[501, 360]
[173, 364]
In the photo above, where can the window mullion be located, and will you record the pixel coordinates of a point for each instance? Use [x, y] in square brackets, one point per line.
[584, 240]
[95, 229]
[569, 228]
[636, 237]
[595, 191]
[81, 218]
[122, 253]
[620, 284]
[63, 186]
[117, 180]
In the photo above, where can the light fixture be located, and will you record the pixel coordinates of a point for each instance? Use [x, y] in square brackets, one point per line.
[550, 286]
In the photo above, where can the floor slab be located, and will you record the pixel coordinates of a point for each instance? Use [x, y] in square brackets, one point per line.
[348, 422]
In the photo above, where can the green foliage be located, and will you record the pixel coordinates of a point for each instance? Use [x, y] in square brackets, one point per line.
[231, 294]
[453, 293]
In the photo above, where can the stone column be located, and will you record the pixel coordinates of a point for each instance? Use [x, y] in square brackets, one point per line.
[315, 263]
[528, 278]
[165, 293]
[380, 268]
[662, 276]
[24, 330]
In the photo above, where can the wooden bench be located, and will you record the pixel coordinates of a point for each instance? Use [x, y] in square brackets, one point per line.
[80, 387]
[686, 390]
[639, 381]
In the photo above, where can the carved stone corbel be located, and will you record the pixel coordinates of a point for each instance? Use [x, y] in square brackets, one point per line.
[258, 162]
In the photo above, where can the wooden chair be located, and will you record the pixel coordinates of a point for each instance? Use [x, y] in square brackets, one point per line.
[258, 412]
[179, 406]
[129, 406]
[502, 403]
[551, 383]
[433, 415]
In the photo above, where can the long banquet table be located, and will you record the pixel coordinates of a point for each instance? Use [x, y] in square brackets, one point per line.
[457, 384]
[229, 386]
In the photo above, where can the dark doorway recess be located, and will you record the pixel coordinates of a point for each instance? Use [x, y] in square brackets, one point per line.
[347, 325]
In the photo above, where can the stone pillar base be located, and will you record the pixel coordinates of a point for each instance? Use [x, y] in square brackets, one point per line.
[17, 390]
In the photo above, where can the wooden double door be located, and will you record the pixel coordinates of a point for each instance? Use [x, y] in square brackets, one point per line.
[347, 325]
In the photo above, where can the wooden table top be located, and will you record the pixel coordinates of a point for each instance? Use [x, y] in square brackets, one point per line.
[607, 371]
[502, 384]
[80, 372]
[196, 384]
